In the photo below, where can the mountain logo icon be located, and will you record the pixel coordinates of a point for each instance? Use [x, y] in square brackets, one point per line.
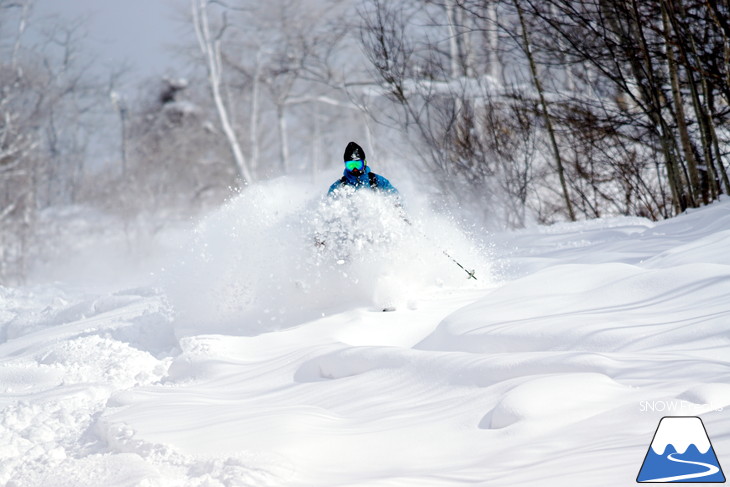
[681, 452]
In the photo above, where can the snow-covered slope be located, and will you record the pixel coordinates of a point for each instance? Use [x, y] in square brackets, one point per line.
[256, 361]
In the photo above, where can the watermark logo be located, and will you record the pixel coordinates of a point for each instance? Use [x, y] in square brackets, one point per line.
[681, 452]
[677, 406]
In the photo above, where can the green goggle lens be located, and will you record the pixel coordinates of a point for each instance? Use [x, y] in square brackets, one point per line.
[352, 165]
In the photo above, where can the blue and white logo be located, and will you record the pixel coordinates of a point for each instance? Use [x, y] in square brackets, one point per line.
[681, 452]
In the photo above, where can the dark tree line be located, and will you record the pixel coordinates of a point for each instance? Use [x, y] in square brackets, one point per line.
[563, 108]
[667, 60]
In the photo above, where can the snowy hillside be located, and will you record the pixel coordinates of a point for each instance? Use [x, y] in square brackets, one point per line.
[253, 358]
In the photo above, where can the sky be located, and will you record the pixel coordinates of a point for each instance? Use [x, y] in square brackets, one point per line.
[138, 32]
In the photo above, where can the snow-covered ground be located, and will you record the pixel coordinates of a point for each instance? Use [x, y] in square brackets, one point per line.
[254, 357]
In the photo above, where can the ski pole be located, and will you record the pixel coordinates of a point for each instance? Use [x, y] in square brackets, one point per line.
[470, 273]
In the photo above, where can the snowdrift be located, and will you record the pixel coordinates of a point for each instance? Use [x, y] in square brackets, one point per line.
[260, 359]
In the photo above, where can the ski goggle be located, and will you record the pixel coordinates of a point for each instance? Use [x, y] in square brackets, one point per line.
[353, 165]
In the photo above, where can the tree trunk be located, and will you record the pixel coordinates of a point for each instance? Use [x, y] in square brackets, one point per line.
[651, 92]
[22, 25]
[723, 172]
[681, 118]
[495, 68]
[709, 137]
[316, 142]
[453, 39]
[545, 112]
[283, 138]
[254, 122]
[211, 49]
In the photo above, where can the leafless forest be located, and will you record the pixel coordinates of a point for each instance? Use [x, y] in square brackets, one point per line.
[514, 111]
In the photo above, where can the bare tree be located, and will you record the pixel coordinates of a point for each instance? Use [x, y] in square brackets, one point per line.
[210, 46]
[48, 114]
[527, 47]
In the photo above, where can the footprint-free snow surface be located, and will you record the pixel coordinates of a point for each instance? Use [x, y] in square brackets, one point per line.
[260, 357]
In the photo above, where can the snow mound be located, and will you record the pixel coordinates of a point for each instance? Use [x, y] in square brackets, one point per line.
[592, 308]
[555, 400]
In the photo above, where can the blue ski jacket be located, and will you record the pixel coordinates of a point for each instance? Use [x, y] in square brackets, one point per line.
[367, 179]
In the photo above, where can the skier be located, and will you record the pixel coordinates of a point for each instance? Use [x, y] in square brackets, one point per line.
[358, 175]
